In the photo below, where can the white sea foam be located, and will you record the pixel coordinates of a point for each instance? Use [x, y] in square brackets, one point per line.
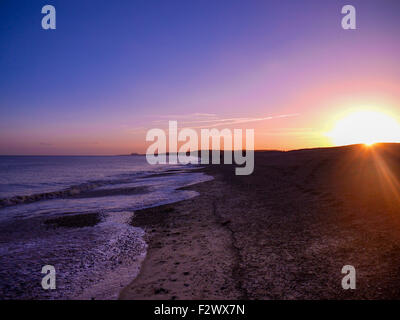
[92, 261]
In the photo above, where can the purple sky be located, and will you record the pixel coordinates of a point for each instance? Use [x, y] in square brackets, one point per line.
[111, 71]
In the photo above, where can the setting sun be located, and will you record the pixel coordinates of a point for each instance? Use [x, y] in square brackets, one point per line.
[367, 127]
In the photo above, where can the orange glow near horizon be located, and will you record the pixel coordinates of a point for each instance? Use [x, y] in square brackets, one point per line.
[365, 127]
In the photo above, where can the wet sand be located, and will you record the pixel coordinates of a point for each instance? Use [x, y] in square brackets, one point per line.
[284, 232]
[190, 253]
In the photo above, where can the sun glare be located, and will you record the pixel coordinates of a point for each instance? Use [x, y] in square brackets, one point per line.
[366, 127]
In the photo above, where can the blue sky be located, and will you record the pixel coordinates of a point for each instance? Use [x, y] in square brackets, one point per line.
[115, 65]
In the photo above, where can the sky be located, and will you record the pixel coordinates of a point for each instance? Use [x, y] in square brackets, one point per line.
[112, 70]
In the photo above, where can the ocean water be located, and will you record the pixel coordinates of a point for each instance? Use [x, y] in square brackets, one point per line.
[91, 261]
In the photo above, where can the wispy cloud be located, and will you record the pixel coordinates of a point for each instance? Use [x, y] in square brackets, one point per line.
[289, 131]
[202, 120]
[211, 123]
[194, 116]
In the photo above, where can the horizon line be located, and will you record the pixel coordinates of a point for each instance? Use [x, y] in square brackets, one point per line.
[199, 150]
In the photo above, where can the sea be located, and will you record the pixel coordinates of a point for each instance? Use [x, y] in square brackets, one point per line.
[91, 260]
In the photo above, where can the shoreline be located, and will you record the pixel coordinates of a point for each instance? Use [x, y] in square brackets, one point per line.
[284, 232]
[189, 254]
[93, 248]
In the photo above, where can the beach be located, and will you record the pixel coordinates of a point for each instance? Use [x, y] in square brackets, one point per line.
[202, 232]
[191, 253]
[199, 150]
[284, 232]
[74, 213]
